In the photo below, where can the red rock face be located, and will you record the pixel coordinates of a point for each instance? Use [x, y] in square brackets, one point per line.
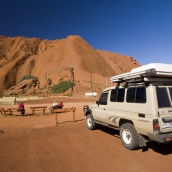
[70, 59]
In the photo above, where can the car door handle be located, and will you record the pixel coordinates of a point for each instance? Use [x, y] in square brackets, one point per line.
[104, 109]
[141, 115]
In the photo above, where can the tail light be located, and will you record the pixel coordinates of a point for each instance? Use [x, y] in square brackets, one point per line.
[156, 127]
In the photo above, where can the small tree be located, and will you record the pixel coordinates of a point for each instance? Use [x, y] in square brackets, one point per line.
[62, 87]
[26, 77]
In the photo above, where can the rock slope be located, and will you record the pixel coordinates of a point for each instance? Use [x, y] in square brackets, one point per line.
[52, 61]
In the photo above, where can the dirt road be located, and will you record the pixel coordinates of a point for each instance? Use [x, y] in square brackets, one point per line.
[34, 143]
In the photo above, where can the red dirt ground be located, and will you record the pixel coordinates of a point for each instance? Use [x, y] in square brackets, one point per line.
[34, 143]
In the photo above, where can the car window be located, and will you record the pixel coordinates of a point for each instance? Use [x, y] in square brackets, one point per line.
[140, 95]
[136, 95]
[131, 94]
[103, 99]
[113, 95]
[117, 95]
[162, 97]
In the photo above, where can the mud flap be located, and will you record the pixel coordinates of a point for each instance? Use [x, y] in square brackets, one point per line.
[142, 141]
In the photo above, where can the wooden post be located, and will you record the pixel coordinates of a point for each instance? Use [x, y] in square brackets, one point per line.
[56, 119]
[73, 114]
[1, 111]
[63, 111]
[4, 111]
[10, 111]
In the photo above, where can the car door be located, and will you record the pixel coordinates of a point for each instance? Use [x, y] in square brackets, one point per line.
[100, 109]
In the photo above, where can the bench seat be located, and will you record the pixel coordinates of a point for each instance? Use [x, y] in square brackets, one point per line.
[39, 108]
[10, 111]
[14, 110]
[3, 111]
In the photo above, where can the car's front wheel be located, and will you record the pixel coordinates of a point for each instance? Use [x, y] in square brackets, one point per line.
[90, 122]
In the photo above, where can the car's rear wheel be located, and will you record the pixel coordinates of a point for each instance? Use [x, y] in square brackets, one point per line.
[90, 122]
[129, 136]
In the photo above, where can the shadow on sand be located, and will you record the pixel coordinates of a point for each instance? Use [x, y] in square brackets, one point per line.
[26, 115]
[164, 149]
[79, 121]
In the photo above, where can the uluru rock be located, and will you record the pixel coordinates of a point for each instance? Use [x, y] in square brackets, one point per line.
[53, 61]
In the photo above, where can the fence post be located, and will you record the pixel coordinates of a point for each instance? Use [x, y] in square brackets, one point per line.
[73, 110]
[56, 119]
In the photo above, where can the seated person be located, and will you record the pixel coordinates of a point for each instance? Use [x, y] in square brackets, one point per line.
[55, 104]
[21, 108]
[60, 104]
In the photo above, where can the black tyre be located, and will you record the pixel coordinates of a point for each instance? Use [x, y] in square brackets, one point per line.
[90, 122]
[129, 136]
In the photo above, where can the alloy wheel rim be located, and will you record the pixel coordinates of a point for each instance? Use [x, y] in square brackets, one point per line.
[89, 122]
[126, 135]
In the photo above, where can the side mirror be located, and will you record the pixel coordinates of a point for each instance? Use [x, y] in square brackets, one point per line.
[97, 102]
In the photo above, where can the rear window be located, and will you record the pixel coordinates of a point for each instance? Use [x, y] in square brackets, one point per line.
[162, 97]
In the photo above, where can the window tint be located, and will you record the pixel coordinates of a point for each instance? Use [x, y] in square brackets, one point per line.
[113, 95]
[103, 99]
[141, 95]
[120, 97]
[117, 95]
[131, 95]
[136, 95]
[162, 97]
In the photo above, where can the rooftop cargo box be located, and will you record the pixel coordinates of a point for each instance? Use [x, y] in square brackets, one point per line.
[152, 70]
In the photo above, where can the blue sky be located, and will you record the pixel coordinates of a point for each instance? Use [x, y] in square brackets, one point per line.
[138, 28]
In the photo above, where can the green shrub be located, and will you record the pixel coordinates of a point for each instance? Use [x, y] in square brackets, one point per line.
[1, 93]
[62, 87]
[26, 77]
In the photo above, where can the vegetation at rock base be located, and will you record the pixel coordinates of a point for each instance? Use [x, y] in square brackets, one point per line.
[1, 93]
[26, 77]
[62, 87]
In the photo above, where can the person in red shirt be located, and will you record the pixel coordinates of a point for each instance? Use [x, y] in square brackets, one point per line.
[61, 104]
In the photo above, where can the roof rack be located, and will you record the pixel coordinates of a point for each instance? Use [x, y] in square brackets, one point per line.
[146, 73]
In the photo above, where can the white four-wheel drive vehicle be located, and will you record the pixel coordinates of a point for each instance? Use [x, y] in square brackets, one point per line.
[140, 106]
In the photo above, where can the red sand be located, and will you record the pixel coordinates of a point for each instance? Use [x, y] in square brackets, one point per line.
[34, 143]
